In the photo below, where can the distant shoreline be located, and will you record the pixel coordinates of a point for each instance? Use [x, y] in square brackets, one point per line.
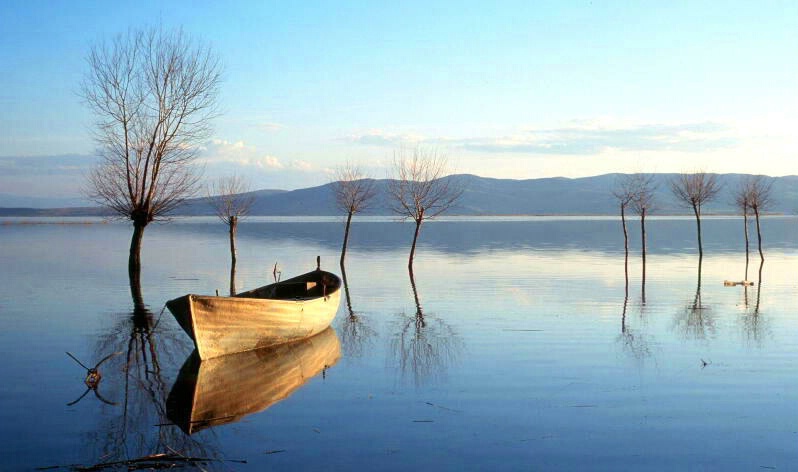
[10, 220]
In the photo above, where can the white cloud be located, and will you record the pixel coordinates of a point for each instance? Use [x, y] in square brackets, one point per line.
[303, 166]
[268, 162]
[578, 137]
[381, 138]
[223, 150]
[218, 151]
[269, 126]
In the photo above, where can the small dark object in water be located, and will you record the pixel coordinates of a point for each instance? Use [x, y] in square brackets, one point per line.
[92, 379]
[734, 283]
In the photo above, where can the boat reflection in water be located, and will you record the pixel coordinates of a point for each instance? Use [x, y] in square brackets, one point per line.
[224, 389]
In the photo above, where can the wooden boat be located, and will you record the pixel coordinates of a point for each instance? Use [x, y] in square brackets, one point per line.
[273, 314]
[223, 390]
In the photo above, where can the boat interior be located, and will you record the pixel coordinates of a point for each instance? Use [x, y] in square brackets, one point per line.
[315, 286]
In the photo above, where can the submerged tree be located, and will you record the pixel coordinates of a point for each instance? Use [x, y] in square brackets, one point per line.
[642, 188]
[231, 199]
[353, 193]
[760, 198]
[696, 190]
[422, 189]
[624, 194]
[742, 203]
[153, 93]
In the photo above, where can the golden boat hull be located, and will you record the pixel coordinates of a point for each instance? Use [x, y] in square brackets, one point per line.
[225, 389]
[274, 314]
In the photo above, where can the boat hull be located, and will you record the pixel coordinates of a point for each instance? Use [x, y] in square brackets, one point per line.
[226, 325]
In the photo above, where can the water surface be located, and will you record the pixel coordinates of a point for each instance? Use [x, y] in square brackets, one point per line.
[519, 346]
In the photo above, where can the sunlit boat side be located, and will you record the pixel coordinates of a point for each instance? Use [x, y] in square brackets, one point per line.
[285, 311]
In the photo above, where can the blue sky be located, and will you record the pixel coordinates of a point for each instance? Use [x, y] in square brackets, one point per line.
[513, 89]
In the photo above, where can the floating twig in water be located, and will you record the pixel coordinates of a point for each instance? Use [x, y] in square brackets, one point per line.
[443, 407]
[93, 378]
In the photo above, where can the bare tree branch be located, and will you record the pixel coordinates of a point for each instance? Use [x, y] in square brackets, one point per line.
[353, 193]
[153, 94]
[353, 190]
[642, 190]
[230, 198]
[694, 191]
[422, 189]
[754, 193]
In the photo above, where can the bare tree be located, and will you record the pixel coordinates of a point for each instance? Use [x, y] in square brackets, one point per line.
[353, 193]
[231, 199]
[153, 93]
[742, 204]
[641, 187]
[760, 198]
[696, 190]
[624, 194]
[422, 190]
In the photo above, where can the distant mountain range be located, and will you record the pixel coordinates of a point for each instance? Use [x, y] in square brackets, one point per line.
[481, 196]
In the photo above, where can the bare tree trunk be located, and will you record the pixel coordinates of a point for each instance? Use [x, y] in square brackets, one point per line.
[625, 243]
[134, 259]
[745, 228]
[346, 291]
[135, 292]
[759, 234]
[346, 236]
[413, 247]
[233, 255]
[625, 231]
[697, 213]
[697, 300]
[625, 302]
[420, 323]
[643, 236]
[759, 287]
[643, 243]
[134, 265]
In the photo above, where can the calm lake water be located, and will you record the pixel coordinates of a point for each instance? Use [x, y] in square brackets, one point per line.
[528, 351]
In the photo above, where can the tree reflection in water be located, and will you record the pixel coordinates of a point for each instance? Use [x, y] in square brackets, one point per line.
[137, 425]
[696, 320]
[355, 333]
[632, 341]
[424, 347]
[755, 327]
